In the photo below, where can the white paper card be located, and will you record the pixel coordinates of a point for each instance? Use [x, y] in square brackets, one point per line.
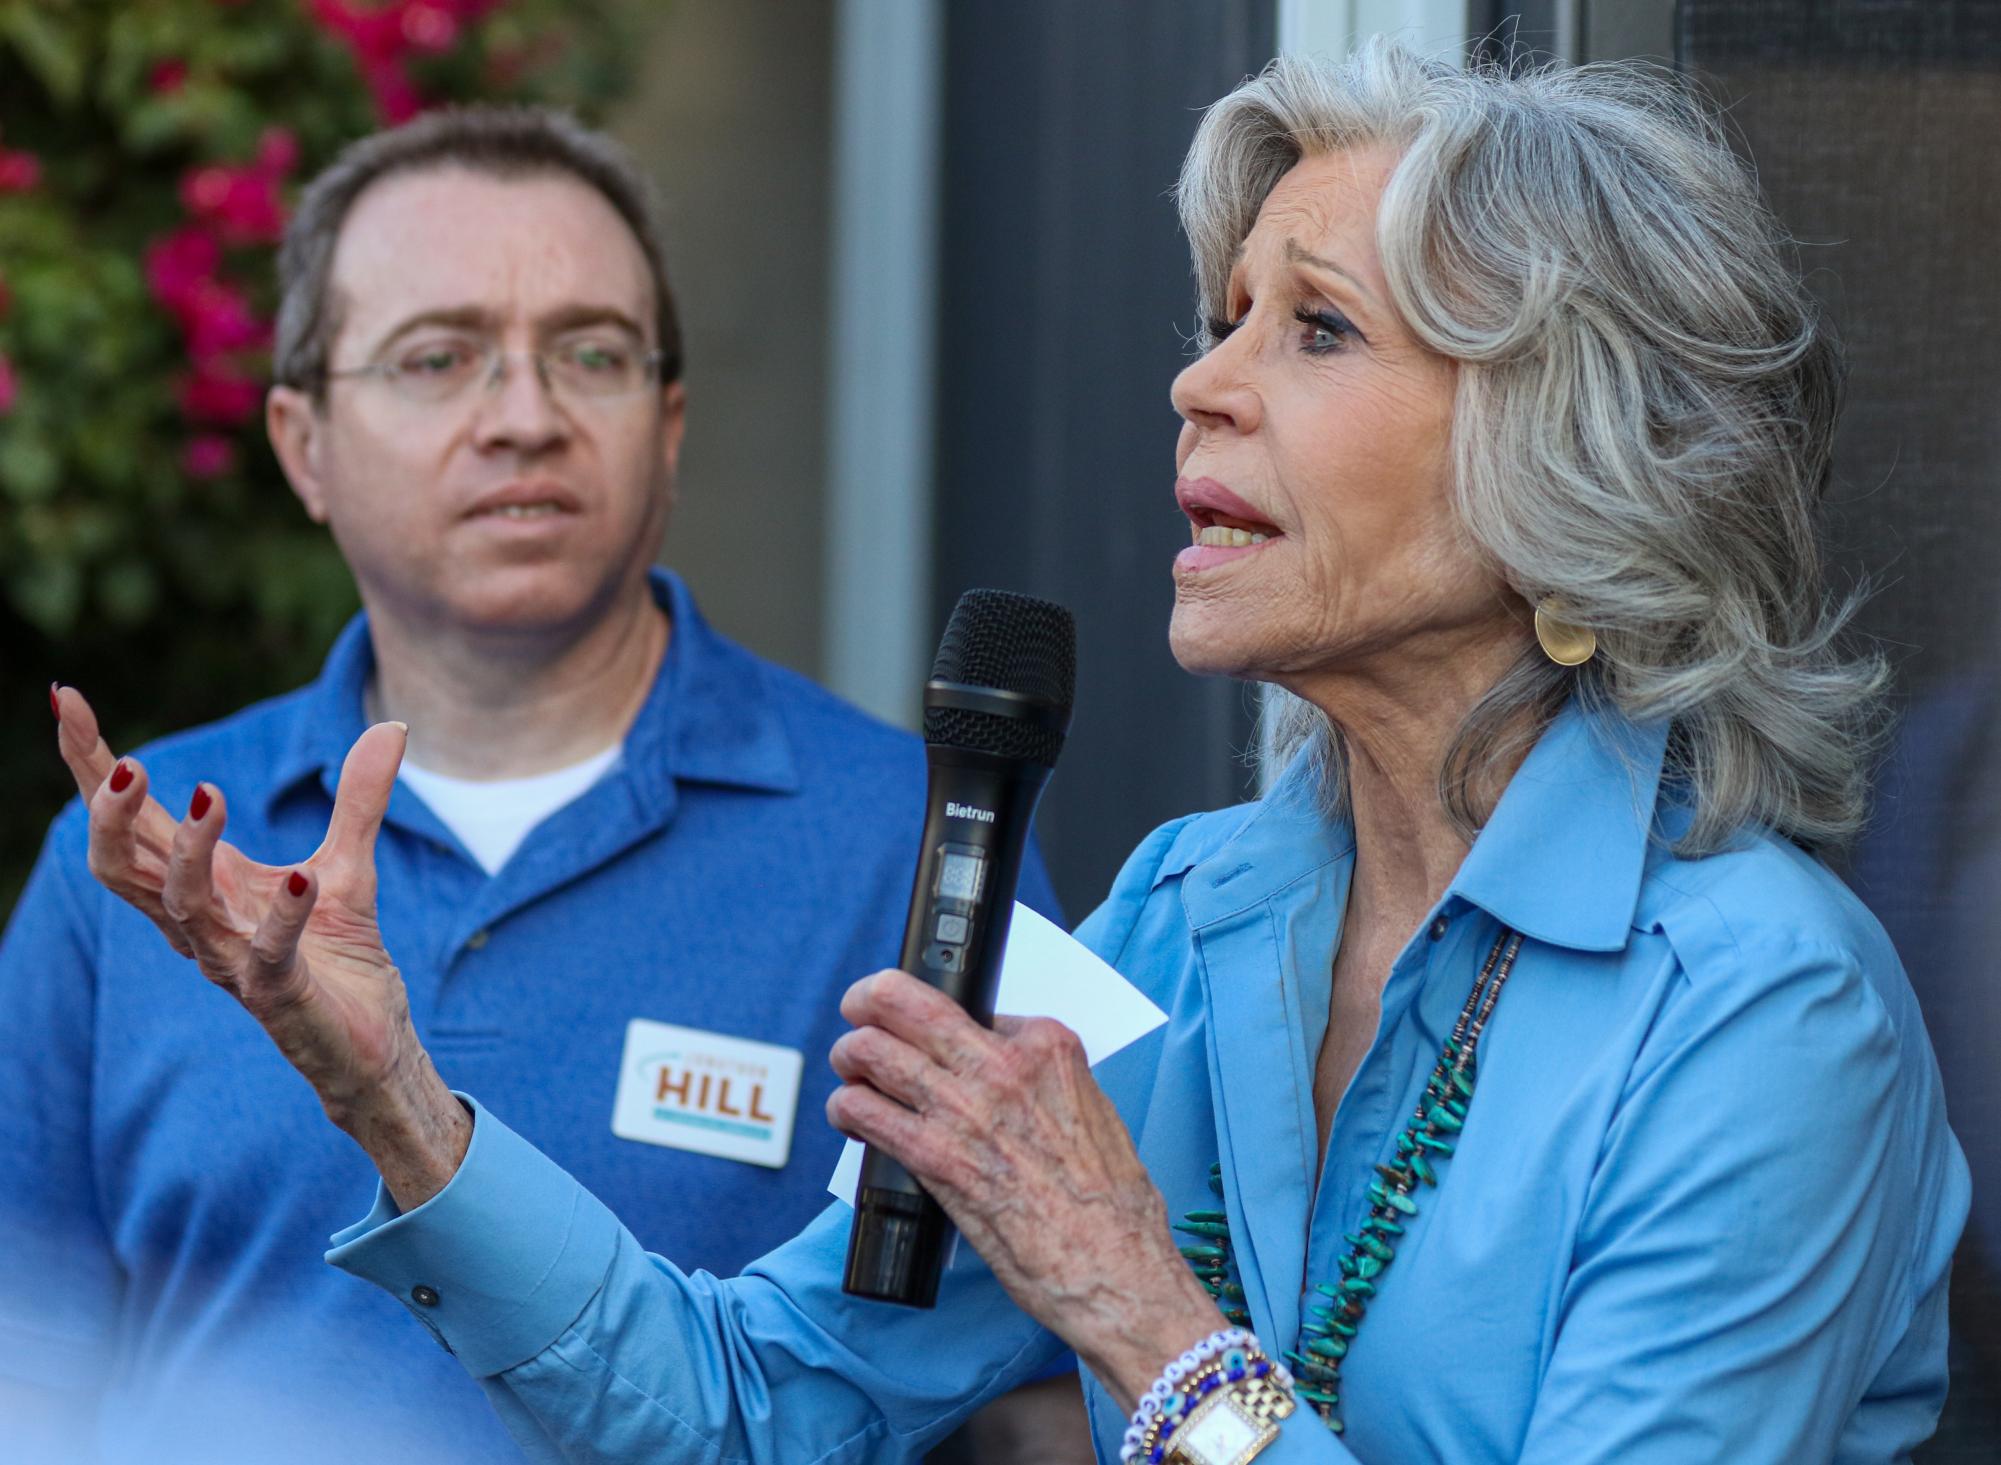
[1047, 972]
[707, 1092]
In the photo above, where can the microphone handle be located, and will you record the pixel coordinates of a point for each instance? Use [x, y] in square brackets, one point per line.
[979, 809]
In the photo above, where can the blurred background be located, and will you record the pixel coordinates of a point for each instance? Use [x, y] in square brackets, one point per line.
[933, 296]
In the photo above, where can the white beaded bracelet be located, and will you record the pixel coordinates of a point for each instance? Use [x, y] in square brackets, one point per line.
[1169, 1383]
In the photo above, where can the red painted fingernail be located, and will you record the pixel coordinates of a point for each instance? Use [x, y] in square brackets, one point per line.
[296, 883]
[121, 777]
[198, 805]
[55, 702]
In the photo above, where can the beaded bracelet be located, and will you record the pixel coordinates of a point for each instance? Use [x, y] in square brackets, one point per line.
[1227, 1375]
[1222, 1413]
[1169, 1382]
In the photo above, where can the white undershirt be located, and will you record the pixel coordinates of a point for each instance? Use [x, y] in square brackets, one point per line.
[492, 816]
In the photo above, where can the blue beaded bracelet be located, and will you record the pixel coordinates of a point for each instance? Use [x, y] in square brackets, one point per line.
[1226, 1356]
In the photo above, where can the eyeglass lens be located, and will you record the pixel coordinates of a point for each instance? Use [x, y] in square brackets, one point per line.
[438, 370]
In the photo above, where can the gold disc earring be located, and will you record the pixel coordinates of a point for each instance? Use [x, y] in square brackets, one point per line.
[1563, 640]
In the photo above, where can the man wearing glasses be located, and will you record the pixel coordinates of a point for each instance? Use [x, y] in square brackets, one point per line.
[630, 865]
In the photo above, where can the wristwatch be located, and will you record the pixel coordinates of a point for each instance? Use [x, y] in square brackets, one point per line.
[1232, 1425]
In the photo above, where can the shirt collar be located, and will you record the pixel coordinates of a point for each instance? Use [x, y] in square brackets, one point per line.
[712, 716]
[1562, 857]
[1231, 864]
[709, 717]
[329, 717]
[1560, 860]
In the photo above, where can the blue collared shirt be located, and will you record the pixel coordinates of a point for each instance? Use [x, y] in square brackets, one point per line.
[1703, 1207]
[167, 1182]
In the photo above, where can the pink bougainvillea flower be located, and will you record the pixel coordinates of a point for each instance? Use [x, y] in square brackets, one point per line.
[242, 203]
[9, 386]
[218, 320]
[430, 27]
[373, 32]
[382, 37]
[277, 152]
[208, 455]
[203, 190]
[396, 96]
[167, 77]
[19, 171]
[253, 213]
[179, 263]
[218, 395]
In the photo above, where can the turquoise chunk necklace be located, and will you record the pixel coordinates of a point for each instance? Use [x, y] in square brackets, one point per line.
[1422, 1148]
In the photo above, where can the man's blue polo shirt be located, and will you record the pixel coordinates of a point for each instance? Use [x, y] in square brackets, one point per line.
[167, 1182]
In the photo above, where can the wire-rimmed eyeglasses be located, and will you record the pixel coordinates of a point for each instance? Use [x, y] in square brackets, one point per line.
[434, 372]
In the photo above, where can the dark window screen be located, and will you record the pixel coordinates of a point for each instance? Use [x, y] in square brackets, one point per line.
[1066, 307]
[1876, 129]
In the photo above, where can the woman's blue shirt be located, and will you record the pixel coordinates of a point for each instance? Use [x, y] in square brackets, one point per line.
[1703, 1207]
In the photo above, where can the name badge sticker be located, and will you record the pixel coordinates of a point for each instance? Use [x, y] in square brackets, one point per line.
[707, 1093]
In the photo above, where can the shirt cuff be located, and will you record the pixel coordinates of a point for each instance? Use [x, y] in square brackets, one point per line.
[499, 1263]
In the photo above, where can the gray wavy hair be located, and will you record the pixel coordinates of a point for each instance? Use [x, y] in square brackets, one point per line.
[1645, 409]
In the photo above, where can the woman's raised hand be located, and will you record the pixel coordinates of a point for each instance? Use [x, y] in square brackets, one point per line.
[1011, 1134]
[297, 945]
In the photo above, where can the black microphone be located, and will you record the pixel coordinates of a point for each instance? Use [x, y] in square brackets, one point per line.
[995, 712]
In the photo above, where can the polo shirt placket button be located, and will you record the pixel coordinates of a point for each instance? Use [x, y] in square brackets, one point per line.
[477, 941]
[1438, 928]
[425, 1296]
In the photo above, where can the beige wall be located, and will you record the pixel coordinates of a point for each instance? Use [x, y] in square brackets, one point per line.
[732, 116]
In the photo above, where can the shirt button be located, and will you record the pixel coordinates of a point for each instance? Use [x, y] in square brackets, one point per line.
[1438, 928]
[425, 1296]
[477, 941]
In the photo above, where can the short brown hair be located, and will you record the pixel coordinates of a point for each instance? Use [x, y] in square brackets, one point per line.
[503, 142]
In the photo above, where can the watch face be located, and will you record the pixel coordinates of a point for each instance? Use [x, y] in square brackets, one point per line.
[1223, 1435]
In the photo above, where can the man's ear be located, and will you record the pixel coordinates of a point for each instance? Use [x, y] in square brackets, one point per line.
[292, 422]
[673, 426]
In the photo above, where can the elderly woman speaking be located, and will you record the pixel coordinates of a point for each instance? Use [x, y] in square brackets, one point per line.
[1530, 1090]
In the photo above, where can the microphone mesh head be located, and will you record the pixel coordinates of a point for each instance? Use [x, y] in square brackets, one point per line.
[1012, 643]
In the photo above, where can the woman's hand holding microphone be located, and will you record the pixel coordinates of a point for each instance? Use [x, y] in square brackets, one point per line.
[1010, 1133]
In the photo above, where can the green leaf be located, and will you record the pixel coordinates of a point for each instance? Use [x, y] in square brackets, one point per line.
[156, 124]
[53, 49]
[48, 593]
[128, 55]
[29, 470]
[244, 51]
[127, 591]
[110, 456]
